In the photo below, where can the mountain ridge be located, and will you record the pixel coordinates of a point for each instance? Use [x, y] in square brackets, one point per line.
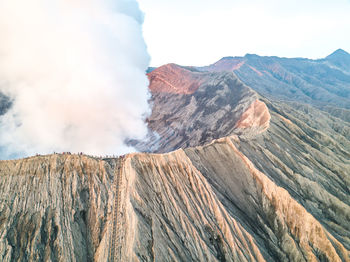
[321, 82]
[187, 171]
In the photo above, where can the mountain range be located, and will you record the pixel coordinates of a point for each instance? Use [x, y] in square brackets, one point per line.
[247, 159]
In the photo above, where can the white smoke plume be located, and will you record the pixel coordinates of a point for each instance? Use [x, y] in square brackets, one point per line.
[75, 70]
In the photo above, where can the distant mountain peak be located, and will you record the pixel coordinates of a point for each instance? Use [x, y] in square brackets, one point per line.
[251, 56]
[338, 54]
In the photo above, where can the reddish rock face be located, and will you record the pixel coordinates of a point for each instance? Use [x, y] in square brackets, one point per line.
[174, 79]
[256, 116]
[191, 108]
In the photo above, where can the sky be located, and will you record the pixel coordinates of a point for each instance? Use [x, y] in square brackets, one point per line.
[200, 32]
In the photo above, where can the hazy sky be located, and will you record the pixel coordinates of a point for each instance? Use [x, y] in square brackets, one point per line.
[199, 32]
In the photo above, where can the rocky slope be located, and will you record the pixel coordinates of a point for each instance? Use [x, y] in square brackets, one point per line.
[55, 208]
[283, 228]
[206, 203]
[311, 159]
[192, 108]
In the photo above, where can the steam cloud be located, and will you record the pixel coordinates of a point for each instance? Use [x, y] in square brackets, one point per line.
[75, 70]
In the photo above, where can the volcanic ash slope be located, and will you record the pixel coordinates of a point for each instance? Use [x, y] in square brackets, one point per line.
[59, 208]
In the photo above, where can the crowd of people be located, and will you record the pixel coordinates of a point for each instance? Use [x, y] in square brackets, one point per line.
[81, 153]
